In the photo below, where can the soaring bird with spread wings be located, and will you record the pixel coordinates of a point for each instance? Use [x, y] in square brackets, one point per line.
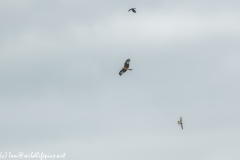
[125, 68]
[132, 9]
[180, 122]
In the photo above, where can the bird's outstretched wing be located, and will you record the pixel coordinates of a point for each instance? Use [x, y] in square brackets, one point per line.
[122, 71]
[181, 119]
[127, 63]
[182, 126]
[132, 9]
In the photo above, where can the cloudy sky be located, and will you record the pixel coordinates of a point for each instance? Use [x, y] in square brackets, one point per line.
[60, 91]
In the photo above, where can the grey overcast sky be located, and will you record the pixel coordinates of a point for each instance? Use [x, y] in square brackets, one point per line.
[60, 91]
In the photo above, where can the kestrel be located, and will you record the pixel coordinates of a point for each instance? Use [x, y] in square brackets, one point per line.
[180, 122]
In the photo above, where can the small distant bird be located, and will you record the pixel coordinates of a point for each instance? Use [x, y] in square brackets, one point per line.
[125, 68]
[132, 9]
[180, 122]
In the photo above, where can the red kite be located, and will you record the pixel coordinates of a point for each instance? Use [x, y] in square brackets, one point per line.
[125, 68]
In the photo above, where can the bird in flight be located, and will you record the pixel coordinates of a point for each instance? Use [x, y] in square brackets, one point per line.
[132, 9]
[125, 68]
[180, 122]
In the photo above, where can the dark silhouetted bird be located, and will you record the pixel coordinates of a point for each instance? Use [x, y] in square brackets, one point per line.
[132, 9]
